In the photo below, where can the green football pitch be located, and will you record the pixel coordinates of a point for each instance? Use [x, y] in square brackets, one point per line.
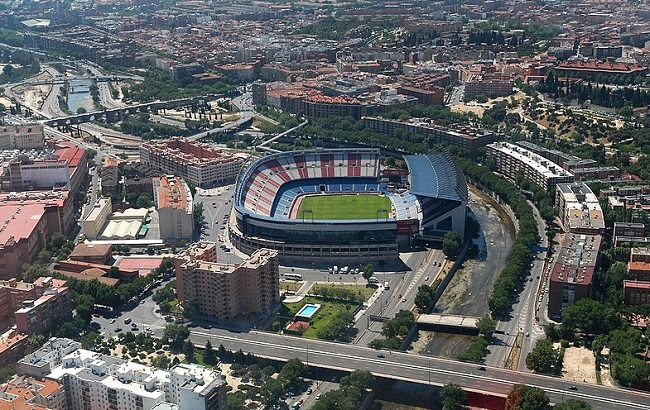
[342, 207]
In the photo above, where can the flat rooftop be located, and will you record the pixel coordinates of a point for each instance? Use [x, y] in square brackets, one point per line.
[540, 164]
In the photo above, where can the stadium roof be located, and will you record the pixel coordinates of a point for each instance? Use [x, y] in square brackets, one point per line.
[436, 176]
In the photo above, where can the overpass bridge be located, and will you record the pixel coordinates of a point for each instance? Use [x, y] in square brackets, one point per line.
[63, 80]
[449, 323]
[116, 114]
[417, 368]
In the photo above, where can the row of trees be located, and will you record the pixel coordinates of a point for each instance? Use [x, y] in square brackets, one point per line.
[519, 257]
[520, 397]
[338, 293]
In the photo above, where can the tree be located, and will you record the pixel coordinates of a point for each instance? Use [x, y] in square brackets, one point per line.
[451, 244]
[144, 201]
[271, 391]
[573, 404]
[58, 240]
[359, 379]
[161, 361]
[424, 296]
[522, 397]
[544, 358]
[175, 335]
[291, 372]
[209, 356]
[368, 271]
[189, 351]
[591, 316]
[486, 326]
[453, 397]
[400, 325]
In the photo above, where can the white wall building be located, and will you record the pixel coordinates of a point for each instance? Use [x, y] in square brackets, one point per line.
[94, 381]
[97, 218]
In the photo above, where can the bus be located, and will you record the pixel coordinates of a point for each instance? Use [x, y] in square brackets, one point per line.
[293, 276]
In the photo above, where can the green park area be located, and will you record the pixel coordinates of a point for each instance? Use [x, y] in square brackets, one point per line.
[329, 322]
[342, 207]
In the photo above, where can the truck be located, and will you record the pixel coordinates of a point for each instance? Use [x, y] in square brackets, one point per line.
[386, 285]
[372, 279]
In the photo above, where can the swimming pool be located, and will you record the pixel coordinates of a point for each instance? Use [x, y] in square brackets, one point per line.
[307, 311]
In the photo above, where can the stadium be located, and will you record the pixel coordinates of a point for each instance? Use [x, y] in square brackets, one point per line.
[338, 207]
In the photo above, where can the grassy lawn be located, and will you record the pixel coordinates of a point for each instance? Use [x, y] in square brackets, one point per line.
[322, 318]
[363, 290]
[343, 207]
[290, 286]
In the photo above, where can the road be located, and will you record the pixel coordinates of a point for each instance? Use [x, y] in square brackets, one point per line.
[395, 365]
[245, 104]
[522, 320]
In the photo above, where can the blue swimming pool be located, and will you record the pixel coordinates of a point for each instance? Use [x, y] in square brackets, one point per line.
[307, 311]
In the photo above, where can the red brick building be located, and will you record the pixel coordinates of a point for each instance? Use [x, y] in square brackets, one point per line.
[573, 271]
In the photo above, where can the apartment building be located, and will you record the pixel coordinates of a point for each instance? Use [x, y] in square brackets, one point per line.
[25, 392]
[513, 161]
[579, 209]
[468, 138]
[102, 382]
[198, 163]
[52, 307]
[639, 265]
[634, 232]
[24, 231]
[173, 200]
[636, 292]
[228, 292]
[29, 136]
[489, 84]
[573, 271]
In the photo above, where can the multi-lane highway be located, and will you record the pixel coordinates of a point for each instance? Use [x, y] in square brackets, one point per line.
[394, 365]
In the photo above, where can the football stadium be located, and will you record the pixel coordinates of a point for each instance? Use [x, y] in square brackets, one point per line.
[338, 206]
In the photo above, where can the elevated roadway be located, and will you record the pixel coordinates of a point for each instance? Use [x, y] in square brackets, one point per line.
[416, 368]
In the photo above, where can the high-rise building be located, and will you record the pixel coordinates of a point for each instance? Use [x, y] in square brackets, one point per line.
[173, 200]
[227, 292]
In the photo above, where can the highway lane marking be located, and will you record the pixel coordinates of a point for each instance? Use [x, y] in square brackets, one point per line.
[427, 369]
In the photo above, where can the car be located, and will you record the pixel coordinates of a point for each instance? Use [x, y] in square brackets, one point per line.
[317, 396]
[572, 387]
[118, 329]
[111, 321]
[382, 356]
[96, 315]
[135, 329]
[527, 334]
[426, 278]
[127, 320]
[404, 300]
[142, 301]
[309, 390]
[482, 368]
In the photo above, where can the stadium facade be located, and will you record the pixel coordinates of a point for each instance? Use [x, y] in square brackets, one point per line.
[427, 200]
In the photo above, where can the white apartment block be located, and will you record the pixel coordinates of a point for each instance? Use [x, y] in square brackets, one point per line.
[513, 161]
[93, 381]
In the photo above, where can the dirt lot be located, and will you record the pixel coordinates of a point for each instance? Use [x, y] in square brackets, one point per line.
[580, 365]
